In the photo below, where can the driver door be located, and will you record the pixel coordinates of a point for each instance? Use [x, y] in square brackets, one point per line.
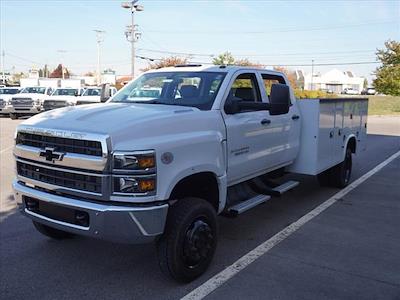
[247, 131]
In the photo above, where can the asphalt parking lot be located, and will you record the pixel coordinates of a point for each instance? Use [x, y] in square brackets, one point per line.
[301, 267]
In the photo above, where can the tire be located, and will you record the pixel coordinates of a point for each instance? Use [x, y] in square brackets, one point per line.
[341, 174]
[13, 116]
[52, 232]
[188, 245]
[324, 178]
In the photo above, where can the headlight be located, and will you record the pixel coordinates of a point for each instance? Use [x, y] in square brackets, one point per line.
[134, 161]
[134, 185]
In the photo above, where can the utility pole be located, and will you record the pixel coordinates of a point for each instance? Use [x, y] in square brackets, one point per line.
[132, 34]
[99, 39]
[312, 75]
[2, 67]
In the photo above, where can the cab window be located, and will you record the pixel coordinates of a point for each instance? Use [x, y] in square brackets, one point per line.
[269, 80]
[245, 88]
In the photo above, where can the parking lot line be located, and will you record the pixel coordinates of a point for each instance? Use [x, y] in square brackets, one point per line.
[226, 274]
[6, 149]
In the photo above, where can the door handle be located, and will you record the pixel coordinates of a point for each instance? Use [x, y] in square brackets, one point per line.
[295, 117]
[265, 122]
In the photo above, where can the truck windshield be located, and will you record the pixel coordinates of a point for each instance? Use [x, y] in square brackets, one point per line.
[65, 92]
[92, 92]
[33, 90]
[6, 91]
[195, 89]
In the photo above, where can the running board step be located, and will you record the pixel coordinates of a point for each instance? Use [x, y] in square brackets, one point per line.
[283, 188]
[241, 207]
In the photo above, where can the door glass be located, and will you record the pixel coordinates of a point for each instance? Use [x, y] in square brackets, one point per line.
[245, 88]
[269, 80]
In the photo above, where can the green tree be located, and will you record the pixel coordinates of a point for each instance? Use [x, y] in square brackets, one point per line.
[225, 58]
[388, 75]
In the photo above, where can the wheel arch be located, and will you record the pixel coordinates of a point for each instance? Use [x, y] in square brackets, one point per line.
[205, 185]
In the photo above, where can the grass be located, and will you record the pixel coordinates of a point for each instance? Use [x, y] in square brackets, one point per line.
[384, 105]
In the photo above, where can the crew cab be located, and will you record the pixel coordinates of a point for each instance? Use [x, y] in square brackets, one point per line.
[62, 97]
[213, 141]
[6, 93]
[29, 101]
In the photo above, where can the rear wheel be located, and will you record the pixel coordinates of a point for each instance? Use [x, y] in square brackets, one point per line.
[341, 173]
[51, 232]
[188, 245]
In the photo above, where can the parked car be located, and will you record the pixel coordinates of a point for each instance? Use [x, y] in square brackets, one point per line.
[135, 170]
[368, 91]
[93, 95]
[62, 97]
[6, 93]
[29, 101]
[350, 91]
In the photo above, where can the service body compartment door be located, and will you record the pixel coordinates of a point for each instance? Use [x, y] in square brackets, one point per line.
[337, 155]
[326, 135]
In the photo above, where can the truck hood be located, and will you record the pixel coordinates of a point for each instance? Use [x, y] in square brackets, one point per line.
[63, 98]
[127, 122]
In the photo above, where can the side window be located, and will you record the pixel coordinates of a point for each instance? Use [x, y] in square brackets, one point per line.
[269, 80]
[245, 88]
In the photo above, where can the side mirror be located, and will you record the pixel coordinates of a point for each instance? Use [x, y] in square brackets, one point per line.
[279, 99]
[105, 93]
[76, 93]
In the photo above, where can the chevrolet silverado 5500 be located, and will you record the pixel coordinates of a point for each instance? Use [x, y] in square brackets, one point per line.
[213, 140]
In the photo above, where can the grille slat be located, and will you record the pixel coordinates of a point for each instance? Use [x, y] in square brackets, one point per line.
[83, 182]
[60, 144]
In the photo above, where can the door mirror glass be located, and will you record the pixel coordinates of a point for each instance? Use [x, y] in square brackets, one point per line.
[279, 99]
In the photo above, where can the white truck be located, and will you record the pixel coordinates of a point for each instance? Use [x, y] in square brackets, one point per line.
[93, 94]
[29, 101]
[6, 93]
[62, 97]
[138, 170]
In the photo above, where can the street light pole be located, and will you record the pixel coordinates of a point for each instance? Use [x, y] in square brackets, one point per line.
[99, 39]
[131, 33]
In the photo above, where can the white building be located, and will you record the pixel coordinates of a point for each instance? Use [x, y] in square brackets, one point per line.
[334, 80]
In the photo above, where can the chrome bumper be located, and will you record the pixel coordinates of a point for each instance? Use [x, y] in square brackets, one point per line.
[25, 110]
[121, 224]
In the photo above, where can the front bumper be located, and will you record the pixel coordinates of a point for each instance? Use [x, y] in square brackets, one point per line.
[4, 110]
[115, 223]
[25, 110]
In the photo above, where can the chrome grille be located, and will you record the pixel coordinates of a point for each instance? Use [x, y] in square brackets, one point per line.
[86, 147]
[76, 181]
[22, 102]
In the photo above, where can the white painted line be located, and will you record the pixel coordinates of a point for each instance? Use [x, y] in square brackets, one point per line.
[226, 274]
[6, 149]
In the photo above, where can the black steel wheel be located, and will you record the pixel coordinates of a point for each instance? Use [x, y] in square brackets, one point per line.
[188, 245]
[341, 174]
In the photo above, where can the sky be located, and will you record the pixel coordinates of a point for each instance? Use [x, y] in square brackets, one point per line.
[291, 33]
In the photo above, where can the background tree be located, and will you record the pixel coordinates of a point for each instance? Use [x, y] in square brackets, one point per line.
[388, 75]
[291, 76]
[58, 72]
[365, 85]
[227, 58]
[166, 62]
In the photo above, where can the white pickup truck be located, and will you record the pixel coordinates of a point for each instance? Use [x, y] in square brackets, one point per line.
[138, 170]
[6, 93]
[93, 95]
[29, 101]
[62, 97]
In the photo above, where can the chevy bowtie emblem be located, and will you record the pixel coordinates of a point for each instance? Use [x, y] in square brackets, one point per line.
[50, 155]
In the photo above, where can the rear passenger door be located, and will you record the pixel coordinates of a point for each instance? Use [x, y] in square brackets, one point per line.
[284, 129]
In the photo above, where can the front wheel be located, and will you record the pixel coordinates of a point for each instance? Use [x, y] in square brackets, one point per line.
[13, 116]
[188, 245]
